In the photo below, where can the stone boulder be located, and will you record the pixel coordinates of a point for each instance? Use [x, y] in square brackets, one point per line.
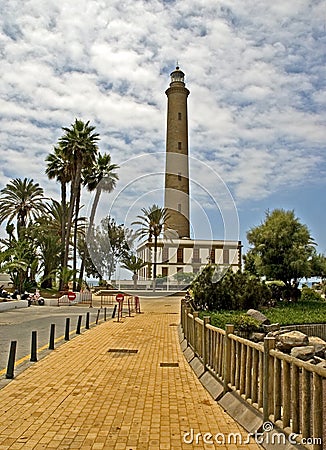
[272, 328]
[319, 345]
[286, 341]
[257, 337]
[304, 353]
[257, 315]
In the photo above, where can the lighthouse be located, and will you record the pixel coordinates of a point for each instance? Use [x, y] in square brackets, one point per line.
[176, 191]
[176, 251]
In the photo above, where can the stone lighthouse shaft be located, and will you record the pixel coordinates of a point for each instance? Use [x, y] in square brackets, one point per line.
[176, 193]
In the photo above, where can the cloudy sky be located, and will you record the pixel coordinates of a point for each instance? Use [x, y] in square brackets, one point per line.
[256, 73]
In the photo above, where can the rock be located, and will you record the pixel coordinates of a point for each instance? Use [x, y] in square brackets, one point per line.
[295, 338]
[257, 315]
[272, 328]
[319, 345]
[257, 337]
[305, 353]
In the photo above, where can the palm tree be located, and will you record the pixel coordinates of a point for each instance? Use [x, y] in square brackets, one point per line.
[60, 168]
[99, 177]
[152, 222]
[134, 264]
[79, 145]
[22, 200]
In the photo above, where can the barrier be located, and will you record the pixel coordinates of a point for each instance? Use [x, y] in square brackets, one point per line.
[84, 298]
[288, 391]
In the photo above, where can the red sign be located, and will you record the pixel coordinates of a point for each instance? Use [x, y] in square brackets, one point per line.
[119, 297]
[71, 296]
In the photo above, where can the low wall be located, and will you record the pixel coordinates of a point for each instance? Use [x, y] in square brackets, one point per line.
[13, 304]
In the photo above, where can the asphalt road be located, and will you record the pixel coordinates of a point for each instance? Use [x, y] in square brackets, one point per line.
[18, 324]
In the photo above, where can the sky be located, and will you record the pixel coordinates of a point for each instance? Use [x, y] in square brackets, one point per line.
[257, 106]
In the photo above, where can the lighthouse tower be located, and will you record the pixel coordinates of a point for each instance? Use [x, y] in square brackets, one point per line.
[176, 194]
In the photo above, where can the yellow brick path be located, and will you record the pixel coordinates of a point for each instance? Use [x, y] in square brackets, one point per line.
[83, 397]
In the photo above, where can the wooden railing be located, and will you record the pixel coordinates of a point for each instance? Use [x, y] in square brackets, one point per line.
[287, 391]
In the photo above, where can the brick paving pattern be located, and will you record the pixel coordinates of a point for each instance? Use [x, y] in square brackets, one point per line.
[83, 396]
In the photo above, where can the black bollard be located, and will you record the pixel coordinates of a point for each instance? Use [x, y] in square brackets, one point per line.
[34, 347]
[98, 316]
[105, 314]
[114, 311]
[87, 321]
[11, 360]
[52, 334]
[67, 329]
[79, 324]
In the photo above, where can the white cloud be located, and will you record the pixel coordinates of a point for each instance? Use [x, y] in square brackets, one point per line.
[256, 72]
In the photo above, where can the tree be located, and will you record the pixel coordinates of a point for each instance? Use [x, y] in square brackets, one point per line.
[109, 243]
[134, 264]
[99, 177]
[233, 291]
[22, 200]
[19, 259]
[59, 167]
[152, 222]
[79, 146]
[281, 247]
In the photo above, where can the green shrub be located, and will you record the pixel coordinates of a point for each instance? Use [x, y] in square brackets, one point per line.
[246, 323]
[234, 291]
[308, 294]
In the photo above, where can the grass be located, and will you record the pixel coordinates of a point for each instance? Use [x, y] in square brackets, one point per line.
[302, 312]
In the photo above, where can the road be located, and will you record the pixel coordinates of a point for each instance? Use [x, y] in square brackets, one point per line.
[18, 324]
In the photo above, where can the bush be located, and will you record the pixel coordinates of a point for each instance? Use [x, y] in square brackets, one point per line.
[308, 294]
[246, 323]
[234, 291]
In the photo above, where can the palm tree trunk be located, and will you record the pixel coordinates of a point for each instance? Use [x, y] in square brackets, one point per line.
[155, 259]
[75, 188]
[63, 227]
[74, 267]
[89, 234]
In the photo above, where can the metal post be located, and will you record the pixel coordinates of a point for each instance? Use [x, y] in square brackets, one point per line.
[33, 347]
[52, 333]
[114, 311]
[67, 329]
[11, 360]
[105, 314]
[87, 321]
[80, 318]
[98, 316]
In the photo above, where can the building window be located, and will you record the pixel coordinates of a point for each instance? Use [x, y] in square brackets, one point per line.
[195, 270]
[179, 145]
[165, 271]
[180, 255]
[179, 207]
[225, 256]
[179, 116]
[195, 256]
[179, 269]
[212, 256]
[179, 176]
[165, 254]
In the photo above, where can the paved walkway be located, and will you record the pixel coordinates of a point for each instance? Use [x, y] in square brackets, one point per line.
[83, 396]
